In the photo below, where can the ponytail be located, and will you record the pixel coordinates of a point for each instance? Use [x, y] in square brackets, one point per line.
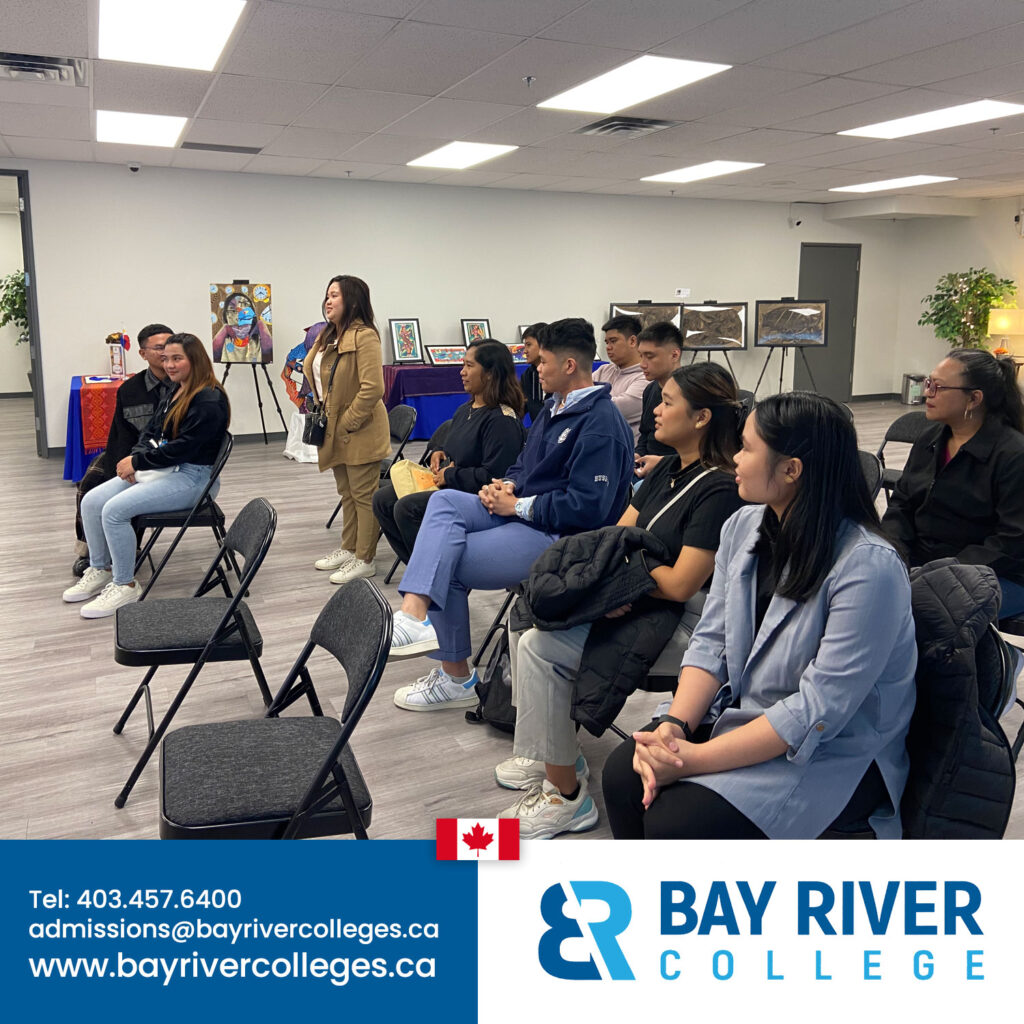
[996, 379]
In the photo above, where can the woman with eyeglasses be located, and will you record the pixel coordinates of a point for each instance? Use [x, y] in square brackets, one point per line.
[961, 494]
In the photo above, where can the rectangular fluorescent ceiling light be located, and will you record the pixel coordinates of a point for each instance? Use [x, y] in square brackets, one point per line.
[936, 120]
[138, 129]
[712, 169]
[639, 80]
[881, 186]
[457, 156]
[180, 34]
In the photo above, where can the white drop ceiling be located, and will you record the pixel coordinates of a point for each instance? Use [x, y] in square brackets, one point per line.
[356, 88]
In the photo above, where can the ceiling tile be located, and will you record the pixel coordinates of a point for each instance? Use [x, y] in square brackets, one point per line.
[281, 165]
[386, 8]
[5, 150]
[414, 175]
[54, 28]
[346, 169]
[555, 67]
[896, 35]
[36, 121]
[50, 149]
[393, 149]
[758, 29]
[883, 108]
[577, 184]
[148, 156]
[679, 141]
[44, 92]
[357, 110]
[287, 41]
[470, 178]
[451, 119]
[232, 133]
[521, 17]
[203, 160]
[538, 161]
[148, 90]
[312, 142]
[529, 125]
[425, 59]
[991, 83]
[236, 98]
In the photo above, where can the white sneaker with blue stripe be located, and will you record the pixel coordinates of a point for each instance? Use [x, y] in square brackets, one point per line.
[544, 812]
[437, 691]
[410, 636]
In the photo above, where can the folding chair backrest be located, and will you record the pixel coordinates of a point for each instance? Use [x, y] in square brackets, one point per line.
[905, 429]
[871, 467]
[222, 457]
[250, 535]
[355, 626]
[436, 442]
[401, 420]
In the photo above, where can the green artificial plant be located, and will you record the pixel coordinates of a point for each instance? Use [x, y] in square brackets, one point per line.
[14, 303]
[958, 309]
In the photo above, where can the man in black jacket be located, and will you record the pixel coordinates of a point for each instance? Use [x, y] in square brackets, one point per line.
[660, 347]
[137, 399]
[530, 381]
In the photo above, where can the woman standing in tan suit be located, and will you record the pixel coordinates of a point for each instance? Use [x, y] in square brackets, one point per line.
[357, 422]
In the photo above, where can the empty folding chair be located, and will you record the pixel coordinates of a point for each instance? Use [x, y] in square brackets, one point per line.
[401, 420]
[906, 429]
[284, 778]
[198, 629]
[205, 512]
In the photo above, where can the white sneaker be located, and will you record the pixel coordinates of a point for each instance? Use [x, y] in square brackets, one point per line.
[113, 596]
[335, 560]
[91, 583]
[357, 569]
[525, 773]
[410, 636]
[437, 691]
[544, 813]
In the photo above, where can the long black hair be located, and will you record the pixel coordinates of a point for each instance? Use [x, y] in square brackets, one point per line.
[710, 386]
[355, 294]
[501, 387]
[996, 379]
[832, 487]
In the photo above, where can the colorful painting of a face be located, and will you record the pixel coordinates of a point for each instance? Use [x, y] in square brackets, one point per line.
[405, 340]
[241, 320]
[475, 330]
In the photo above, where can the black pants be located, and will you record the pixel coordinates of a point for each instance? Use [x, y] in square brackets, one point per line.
[95, 474]
[400, 519]
[684, 810]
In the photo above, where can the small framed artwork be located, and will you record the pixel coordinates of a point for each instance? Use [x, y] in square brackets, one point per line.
[791, 323]
[406, 343]
[523, 328]
[648, 312]
[713, 326]
[475, 330]
[446, 355]
[518, 350]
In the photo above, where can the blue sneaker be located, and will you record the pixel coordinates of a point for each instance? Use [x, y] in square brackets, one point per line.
[437, 691]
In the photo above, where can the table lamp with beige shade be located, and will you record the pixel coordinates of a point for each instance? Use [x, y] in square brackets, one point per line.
[1006, 327]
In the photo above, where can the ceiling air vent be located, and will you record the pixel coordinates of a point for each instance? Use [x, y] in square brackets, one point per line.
[213, 147]
[26, 67]
[618, 127]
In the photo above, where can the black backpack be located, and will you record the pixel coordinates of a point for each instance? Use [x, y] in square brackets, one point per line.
[495, 688]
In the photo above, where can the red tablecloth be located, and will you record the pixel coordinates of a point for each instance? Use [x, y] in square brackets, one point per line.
[98, 403]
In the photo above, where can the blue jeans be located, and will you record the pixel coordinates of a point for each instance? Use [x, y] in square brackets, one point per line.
[462, 547]
[1013, 598]
[108, 510]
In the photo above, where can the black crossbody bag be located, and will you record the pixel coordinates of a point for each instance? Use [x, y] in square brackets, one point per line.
[315, 430]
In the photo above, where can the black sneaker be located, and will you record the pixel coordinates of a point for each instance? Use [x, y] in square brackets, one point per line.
[81, 564]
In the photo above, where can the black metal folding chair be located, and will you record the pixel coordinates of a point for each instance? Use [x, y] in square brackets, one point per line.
[401, 420]
[198, 629]
[906, 429]
[205, 512]
[871, 467]
[284, 778]
[436, 442]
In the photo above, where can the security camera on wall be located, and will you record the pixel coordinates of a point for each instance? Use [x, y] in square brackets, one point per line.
[134, 168]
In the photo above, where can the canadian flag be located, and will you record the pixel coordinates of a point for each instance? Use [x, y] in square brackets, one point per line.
[474, 839]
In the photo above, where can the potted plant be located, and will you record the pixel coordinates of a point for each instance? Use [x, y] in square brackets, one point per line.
[14, 303]
[958, 309]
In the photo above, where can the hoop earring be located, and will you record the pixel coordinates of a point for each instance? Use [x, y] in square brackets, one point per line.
[968, 414]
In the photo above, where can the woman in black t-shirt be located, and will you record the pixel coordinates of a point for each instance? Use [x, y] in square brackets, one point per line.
[684, 503]
[485, 438]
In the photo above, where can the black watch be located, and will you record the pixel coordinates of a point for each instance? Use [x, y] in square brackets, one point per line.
[661, 719]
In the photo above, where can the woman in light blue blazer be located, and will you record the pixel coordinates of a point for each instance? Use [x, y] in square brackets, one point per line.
[802, 666]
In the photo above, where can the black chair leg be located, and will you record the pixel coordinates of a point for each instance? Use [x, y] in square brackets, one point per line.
[142, 689]
[495, 626]
[394, 567]
[144, 553]
[337, 509]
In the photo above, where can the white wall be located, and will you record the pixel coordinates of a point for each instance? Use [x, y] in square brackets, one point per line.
[115, 249]
[14, 359]
[937, 247]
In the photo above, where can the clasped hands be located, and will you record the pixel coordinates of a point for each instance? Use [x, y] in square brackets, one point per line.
[125, 470]
[498, 497]
[660, 758]
[435, 468]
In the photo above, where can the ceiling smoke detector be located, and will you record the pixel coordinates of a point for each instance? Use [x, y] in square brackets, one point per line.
[27, 67]
[619, 127]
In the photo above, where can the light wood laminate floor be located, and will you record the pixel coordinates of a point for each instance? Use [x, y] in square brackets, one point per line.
[61, 692]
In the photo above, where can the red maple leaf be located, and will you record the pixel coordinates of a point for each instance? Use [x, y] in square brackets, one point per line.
[477, 839]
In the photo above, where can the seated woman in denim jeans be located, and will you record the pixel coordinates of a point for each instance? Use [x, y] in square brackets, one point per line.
[165, 472]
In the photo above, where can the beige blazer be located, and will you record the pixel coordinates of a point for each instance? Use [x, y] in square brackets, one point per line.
[357, 422]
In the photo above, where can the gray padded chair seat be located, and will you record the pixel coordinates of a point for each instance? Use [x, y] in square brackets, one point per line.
[177, 629]
[210, 515]
[246, 778]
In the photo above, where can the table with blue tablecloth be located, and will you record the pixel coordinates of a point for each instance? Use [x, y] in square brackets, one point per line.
[98, 413]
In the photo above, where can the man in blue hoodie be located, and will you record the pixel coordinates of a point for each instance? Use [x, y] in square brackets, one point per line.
[573, 475]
